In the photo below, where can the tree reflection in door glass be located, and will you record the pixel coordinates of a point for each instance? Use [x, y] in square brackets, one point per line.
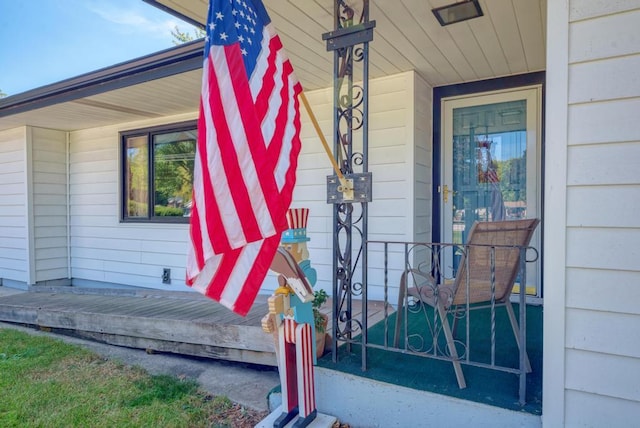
[489, 164]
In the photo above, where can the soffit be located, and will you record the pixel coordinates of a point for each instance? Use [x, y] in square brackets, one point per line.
[167, 96]
[509, 39]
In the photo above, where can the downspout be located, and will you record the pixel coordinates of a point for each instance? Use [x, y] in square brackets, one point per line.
[29, 215]
[68, 174]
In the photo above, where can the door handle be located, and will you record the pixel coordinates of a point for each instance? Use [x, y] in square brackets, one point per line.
[445, 192]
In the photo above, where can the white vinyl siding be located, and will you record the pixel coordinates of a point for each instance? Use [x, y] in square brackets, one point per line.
[391, 162]
[49, 182]
[13, 212]
[603, 225]
[395, 129]
[102, 248]
[584, 409]
[105, 250]
[423, 160]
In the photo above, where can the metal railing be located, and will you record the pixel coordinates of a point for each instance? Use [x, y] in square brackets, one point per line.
[424, 304]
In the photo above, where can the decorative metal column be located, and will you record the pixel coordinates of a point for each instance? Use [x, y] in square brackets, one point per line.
[350, 194]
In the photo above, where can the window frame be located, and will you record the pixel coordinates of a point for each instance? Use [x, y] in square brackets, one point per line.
[149, 133]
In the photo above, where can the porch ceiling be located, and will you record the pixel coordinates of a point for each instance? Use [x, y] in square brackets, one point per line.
[509, 39]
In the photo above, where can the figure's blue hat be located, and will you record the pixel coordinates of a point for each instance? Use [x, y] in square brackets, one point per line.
[297, 221]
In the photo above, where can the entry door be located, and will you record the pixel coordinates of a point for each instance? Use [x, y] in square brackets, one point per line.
[491, 164]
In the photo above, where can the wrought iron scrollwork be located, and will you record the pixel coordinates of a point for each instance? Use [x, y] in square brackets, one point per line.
[351, 21]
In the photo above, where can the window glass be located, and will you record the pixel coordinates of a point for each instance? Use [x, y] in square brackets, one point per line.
[157, 175]
[173, 157]
[137, 177]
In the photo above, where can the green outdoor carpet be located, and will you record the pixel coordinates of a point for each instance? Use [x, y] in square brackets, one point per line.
[487, 386]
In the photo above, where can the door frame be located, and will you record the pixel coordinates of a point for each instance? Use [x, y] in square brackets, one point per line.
[468, 89]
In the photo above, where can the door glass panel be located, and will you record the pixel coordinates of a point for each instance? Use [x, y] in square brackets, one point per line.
[489, 165]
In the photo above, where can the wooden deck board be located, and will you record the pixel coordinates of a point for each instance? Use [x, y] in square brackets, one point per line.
[90, 303]
[127, 306]
[195, 310]
[168, 310]
[185, 323]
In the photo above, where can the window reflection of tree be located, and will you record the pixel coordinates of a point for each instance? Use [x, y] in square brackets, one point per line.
[173, 176]
[137, 177]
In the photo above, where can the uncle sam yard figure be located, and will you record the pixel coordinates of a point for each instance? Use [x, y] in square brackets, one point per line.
[290, 319]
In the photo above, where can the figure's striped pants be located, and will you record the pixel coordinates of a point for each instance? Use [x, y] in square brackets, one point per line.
[296, 367]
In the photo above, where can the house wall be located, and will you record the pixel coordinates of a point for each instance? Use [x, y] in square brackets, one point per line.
[592, 129]
[13, 209]
[423, 159]
[33, 201]
[105, 251]
[49, 182]
[399, 160]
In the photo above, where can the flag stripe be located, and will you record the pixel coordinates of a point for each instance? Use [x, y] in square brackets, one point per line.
[271, 120]
[196, 237]
[232, 143]
[264, 74]
[267, 80]
[280, 126]
[250, 271]
[235, 274]
[264, 192]
[203, 183]
[288, 159]
[248, 143]
[275, 70]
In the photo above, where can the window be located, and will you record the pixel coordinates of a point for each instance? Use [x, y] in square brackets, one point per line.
[157, 173]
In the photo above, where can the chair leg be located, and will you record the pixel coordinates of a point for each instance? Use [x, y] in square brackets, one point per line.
[457, 367]
[456, 315]
[402, 291]
[516, 333]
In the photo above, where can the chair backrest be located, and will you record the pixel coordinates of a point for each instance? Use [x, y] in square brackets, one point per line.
[504, 238]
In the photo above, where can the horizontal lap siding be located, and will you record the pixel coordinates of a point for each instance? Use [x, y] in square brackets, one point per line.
[586, 410]
[102, 248]
[13, 214]
[618, 378]
[603, 201]
[391, 162]
[596, 290]
[422, 155]
[49, 178]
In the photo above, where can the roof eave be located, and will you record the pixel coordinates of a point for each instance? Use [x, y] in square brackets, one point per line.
[168, 62]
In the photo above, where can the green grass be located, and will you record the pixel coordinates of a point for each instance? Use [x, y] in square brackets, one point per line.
[48, 383]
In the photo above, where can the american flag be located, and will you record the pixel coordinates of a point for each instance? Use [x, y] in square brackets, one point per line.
[246, 157]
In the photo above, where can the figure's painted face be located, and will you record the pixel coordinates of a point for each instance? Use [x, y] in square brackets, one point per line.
[298, 250]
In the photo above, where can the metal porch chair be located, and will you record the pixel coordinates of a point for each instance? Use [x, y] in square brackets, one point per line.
[488, 269]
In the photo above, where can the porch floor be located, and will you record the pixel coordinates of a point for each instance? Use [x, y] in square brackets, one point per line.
[485, 386]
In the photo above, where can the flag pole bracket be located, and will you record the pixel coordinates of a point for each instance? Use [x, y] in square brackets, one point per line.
[358, 188]
[349, 35]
